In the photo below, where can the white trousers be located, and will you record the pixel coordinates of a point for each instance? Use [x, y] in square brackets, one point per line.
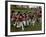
[33, 22]
[20, 24]
[24, 22]
[27, 22]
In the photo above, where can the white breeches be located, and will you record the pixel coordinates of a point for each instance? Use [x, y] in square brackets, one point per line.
[24, 22]
[33, 22]
[15, 24]
[20, 24]
[27, 22]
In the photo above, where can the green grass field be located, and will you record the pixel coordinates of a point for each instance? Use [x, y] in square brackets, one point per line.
[30, 27]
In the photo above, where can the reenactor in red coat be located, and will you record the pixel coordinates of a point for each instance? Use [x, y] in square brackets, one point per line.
[24, 19]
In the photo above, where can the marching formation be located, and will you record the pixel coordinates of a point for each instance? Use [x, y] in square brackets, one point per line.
[24, 15]
[23, 19]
